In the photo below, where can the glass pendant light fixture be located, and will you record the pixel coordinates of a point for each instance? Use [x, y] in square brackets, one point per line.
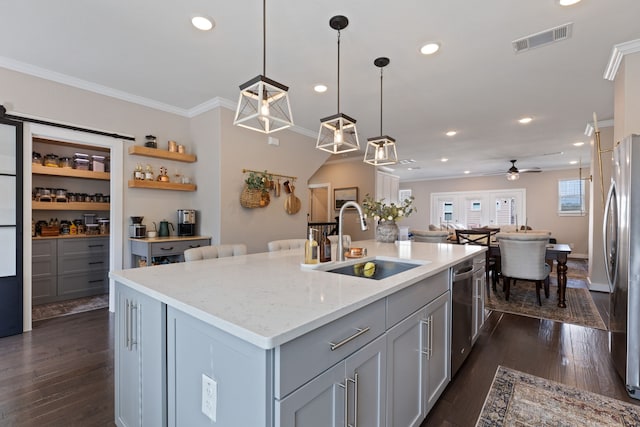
[264, 103]
[338, 132]
[513, 174]
[381, 150]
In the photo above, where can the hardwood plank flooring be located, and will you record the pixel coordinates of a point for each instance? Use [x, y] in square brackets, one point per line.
[568, 354]
[61, 373]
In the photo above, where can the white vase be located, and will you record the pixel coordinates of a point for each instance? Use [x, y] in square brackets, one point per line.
[387, 232]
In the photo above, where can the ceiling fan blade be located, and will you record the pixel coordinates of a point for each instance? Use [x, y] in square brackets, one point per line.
[530, 170]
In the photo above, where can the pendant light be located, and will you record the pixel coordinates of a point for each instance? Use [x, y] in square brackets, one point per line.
[264, 103]
[381, 150]
[338, 132]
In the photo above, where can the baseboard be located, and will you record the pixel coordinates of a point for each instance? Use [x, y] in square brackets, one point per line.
[598, 287]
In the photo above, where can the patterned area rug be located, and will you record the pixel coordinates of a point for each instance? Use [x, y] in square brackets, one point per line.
[519, 399]
[580, 307]
[65, 308]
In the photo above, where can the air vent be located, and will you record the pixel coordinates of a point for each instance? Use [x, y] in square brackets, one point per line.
[543, 38]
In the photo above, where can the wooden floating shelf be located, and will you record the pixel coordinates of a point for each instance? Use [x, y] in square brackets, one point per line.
[74, 173]
[71, 206]
[161, 154]
[159, 185]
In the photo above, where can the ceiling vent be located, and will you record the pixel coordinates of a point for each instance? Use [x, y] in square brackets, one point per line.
[543, 38]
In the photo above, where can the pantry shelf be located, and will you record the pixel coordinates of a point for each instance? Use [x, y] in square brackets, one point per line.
[161, 154]
[159, 185]
[70, 206]
[74, 173]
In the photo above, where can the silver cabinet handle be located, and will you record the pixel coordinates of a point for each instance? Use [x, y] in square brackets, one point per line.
[346, 401]
[355, 399]
[132, 322]
[194, 246]
[425, 349]
[126, 323]
[166, 249]
[430, 337]
[359, 332]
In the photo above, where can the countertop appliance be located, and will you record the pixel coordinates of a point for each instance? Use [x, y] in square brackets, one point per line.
[137, 229]
[461, 314]
[186, 222]
[621, 236]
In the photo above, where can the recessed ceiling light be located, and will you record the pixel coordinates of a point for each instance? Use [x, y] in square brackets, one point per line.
[444, 159]
[573, 162]
[467, 172]
[451, 133]
[320, 88]
[568, 2]
[525, 120]
[578, 144]
[430, 48]
[202, 23]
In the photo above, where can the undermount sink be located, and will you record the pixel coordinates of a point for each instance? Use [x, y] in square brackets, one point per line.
[384, 267]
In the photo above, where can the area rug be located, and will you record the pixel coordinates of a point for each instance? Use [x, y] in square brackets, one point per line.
[65, 308]
[523, 301]
[519, 399]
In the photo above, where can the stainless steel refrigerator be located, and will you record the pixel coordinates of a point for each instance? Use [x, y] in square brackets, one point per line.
[621, 235]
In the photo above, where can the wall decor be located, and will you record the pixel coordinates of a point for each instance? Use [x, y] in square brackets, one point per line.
[343, 195]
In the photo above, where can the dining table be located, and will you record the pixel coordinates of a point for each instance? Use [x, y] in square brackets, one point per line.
[555, 251]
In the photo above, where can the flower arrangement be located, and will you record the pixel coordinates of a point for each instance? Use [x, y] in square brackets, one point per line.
[380, 211]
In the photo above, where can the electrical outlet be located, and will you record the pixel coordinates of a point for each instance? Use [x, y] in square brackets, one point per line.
[209, 397]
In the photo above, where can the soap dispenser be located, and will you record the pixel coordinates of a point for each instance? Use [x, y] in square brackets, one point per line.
[310, 249]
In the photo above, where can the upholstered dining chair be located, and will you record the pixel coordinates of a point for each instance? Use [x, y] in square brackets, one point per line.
[281, 245]
[482, 238]
[429, 236]
[523, 257]
[215, 251]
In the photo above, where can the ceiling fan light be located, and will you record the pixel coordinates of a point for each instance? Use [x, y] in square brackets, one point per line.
[513, 176]
[381, 151]
[338, 134]
[263, 106]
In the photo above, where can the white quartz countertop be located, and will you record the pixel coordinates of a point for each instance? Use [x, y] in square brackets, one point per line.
[268, 299]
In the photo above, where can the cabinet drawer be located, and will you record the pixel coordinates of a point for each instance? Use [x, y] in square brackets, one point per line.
[44, 289]
[83, 263]
[302, 359]
[94, 245]
[43, 248]
[401, 304]
[84, 284]
[176, 248]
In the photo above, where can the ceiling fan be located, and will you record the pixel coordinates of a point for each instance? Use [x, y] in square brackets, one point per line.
[514, 173]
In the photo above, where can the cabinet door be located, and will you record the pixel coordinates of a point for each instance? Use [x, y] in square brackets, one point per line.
[405, 372]
[438, 348]
[366, 385]
[140, 364]
[319, 403]
[479, 285]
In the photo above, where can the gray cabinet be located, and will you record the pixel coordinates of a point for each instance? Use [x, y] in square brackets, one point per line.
[418, 357]
[140, 362]
[69, 268]
[479, 286]
[44, 267]
[350, 393]
[163, 249]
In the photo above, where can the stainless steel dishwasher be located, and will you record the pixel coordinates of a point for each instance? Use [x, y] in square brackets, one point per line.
[461, 314]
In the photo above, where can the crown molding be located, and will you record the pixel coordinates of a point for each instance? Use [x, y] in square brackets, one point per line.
[618, 52]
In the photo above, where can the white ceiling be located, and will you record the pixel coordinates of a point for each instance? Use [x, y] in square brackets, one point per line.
[148, 51]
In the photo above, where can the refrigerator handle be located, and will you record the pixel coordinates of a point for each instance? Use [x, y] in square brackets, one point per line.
[605, 225]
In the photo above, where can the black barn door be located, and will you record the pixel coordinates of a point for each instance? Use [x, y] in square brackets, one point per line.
[10, 227]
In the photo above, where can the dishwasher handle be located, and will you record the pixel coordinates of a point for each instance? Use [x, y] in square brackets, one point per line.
[459, 275]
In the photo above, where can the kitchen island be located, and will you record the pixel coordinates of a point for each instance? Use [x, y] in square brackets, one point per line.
[261, 340]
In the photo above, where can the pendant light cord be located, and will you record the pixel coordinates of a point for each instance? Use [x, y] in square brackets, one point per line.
[380, 100]
[338, 71]
[264, 37]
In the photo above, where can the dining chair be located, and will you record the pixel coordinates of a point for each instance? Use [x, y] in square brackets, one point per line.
[430, 236]
[482, 238]
[281, 245]
[523, 257]
[215, 251]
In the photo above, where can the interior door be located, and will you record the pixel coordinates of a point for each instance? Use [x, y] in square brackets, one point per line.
[10, 227]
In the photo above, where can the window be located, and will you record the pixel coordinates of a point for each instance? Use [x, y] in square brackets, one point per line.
[571, 200]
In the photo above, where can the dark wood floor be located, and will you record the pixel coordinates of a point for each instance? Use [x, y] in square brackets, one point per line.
[61, 373]
[568, 354]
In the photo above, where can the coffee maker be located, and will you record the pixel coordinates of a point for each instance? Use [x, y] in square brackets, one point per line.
[186, 222]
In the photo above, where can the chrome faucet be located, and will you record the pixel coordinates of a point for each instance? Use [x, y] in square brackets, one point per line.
[363, 226]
